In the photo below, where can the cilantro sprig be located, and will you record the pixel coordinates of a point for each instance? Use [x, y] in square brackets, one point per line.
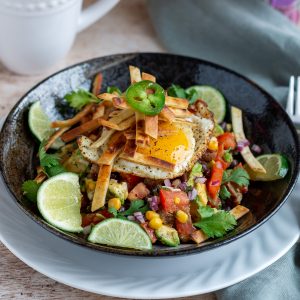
[237, 175]
[176, 91]
[30, 189]
[78, 99]
[113, 89]
[135, 206]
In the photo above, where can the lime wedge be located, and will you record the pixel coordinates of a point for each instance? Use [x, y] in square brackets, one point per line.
[214, 99]
[40, 125]
[276, 166]
[59, 201]
[120, 233]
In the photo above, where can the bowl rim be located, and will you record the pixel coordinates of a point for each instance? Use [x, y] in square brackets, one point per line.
[171, 251]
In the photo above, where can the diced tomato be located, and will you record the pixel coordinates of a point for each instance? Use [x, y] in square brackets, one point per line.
[215, 180]
[140, 191]
[92, 218]
[149, 231]
[131, 180]
[220, 154]
[185, 230]
[228, 140]
[167, 198]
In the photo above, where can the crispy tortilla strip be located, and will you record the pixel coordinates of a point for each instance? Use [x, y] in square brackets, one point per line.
[122, 116]
[101, 187]
[114, 147]
[106, 134]
[97, 84]
[55, 136]
[130, 147]
[181, 113]
[135, 74]
[167, 114]
[91, 154]
[177, 102]
[148, 161]
[129, 134]
[147, 76]
[70, 122]
[151, 126]
[120, 127]
[77, 131]
[120, 102]
[140, 129]
[41, 176]
[239, 211]
[99, 111]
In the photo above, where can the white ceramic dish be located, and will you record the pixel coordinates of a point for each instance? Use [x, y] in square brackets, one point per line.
[148, 278]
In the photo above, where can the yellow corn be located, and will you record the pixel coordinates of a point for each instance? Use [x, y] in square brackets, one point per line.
[115, 203]
[177, 200]
[181, 216]
[213, 144]
[155, 223]
[150, 214]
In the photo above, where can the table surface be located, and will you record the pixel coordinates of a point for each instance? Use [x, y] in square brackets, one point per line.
[126, 28]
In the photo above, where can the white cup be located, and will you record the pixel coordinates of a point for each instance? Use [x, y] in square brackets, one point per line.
[35, 34]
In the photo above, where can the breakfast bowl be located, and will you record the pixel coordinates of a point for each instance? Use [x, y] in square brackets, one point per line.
[265, 122]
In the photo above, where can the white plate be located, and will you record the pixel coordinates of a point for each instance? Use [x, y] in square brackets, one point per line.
[146, 278]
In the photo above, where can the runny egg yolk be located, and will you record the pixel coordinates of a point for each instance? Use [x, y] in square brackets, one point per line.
[171, 145]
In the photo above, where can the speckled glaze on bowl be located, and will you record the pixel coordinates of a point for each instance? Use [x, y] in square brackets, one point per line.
[266, 124]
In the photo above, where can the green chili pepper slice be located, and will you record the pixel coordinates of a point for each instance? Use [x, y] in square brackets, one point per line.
[146, 97]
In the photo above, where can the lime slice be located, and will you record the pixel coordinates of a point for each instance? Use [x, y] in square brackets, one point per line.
[120, 233]
[59, 201]
[40, 125]
[276, 166]
[214, 99]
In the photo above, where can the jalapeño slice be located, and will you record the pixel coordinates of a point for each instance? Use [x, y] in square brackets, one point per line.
[146, 97]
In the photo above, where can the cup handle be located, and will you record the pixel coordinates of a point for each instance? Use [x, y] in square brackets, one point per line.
[95, 12]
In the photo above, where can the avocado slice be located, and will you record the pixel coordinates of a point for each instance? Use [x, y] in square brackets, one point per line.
[167, 236]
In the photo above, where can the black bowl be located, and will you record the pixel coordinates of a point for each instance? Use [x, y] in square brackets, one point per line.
[266, 124]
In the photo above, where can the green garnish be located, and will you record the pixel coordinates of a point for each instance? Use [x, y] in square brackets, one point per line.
[224, 193]
[192, 95]
[238, 176]
[217, 224]
[228, 156]
[30, 189]
[146, 97]
[80, 98]
[113, 89]
[176, 91]
[50, 162]
[135, 206]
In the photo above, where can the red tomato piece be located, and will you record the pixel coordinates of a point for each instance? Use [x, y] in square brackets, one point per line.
[167, 198]
[131, 180]
[215, 181]
[228, 140]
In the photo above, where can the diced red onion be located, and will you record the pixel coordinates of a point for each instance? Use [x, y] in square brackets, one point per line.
[255, 148]
[182, 186]
[122, 208]
[192, 194]
[139, 216]
[167, 182]
[131, 218]
[200, 179]
[153, 202]
[176, 182]
[215, 182]
[87, 229]
[234, 163]
[242, 144]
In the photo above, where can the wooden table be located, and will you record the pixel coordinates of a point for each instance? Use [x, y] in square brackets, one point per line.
[125, 29]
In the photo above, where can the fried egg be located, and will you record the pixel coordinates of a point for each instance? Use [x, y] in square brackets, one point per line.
[179, 143]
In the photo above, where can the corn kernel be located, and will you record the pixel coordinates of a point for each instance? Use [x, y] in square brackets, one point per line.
[177, 200]
[150, 214]
[155, 223]
[115, 203]
[213, 144]
[181, 216]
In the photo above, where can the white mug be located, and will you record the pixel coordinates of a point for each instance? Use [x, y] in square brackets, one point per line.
[35, 34]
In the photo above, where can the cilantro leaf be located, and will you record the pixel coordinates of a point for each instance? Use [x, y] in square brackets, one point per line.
[49, 162]
[30, 189]
[176, 91]
[196, 172]
[227, 156]
[113, 89]
[113, 211]
[135, 205]
[80, 98]
[224, 193]
[238, 175]
[192, 96]
[217, 224]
